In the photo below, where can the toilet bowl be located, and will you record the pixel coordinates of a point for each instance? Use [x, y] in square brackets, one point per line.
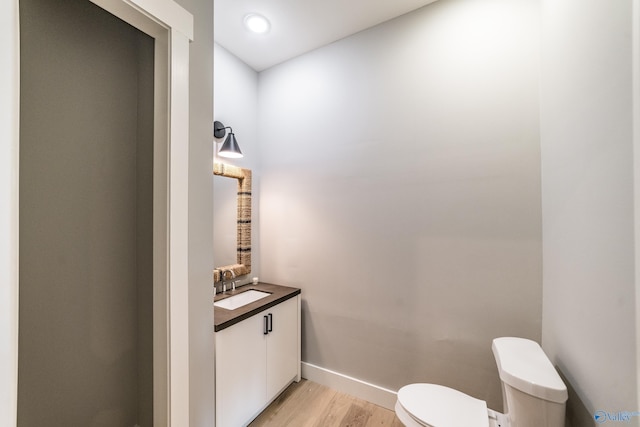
[533, 394]
[433, 405]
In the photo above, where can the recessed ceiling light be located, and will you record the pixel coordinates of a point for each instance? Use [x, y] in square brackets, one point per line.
[256, 23]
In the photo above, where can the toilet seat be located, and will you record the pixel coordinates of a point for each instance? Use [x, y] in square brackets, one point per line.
[434, 405]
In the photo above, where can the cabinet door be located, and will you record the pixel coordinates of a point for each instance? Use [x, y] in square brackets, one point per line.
[240, 372]
[282, 346]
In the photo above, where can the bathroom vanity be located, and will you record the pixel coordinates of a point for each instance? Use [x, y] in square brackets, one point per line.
[257, 352]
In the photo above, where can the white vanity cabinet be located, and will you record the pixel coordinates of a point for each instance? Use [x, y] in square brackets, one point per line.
[256, 359]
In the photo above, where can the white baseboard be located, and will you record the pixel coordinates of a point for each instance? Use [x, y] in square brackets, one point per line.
[349, 385]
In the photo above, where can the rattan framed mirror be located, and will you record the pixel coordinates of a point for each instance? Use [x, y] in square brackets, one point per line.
[243, 234]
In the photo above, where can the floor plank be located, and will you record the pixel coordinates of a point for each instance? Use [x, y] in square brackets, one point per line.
[298, 406]
[357, 416]
[333, 413]
[383, 417]
[308, 404]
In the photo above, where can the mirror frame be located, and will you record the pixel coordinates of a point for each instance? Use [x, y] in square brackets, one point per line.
[243, 239]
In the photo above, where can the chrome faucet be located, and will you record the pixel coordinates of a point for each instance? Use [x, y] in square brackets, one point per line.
[223, 275]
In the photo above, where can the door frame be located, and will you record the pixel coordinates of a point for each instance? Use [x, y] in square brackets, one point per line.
[172, 28]
[635, 46]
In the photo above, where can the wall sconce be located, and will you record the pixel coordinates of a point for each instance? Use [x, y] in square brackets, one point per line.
[230, 148]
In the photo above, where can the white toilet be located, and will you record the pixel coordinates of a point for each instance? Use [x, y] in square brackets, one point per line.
[533, 394]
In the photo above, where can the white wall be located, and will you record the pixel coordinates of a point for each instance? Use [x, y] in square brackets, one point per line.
[636, 172]
[400, 186]
[9, 127]
[201, 342]
[589, 319]
[235, 87]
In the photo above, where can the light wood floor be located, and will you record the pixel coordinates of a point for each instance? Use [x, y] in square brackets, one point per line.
[308, 404]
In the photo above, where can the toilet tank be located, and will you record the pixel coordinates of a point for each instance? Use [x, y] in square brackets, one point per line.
[532, 391]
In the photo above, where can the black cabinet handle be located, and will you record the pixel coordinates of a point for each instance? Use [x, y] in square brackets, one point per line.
[265, 324]
[270, 322]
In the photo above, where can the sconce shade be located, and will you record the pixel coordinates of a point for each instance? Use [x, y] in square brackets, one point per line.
[230, 148]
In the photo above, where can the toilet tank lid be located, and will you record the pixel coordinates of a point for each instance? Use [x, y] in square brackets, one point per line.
[523, 365]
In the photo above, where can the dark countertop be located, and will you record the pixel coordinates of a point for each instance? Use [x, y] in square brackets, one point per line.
[223, 318]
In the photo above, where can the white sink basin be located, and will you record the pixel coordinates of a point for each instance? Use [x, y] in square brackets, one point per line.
[241, 299]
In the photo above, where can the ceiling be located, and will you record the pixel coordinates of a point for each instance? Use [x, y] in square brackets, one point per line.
[298, 26]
